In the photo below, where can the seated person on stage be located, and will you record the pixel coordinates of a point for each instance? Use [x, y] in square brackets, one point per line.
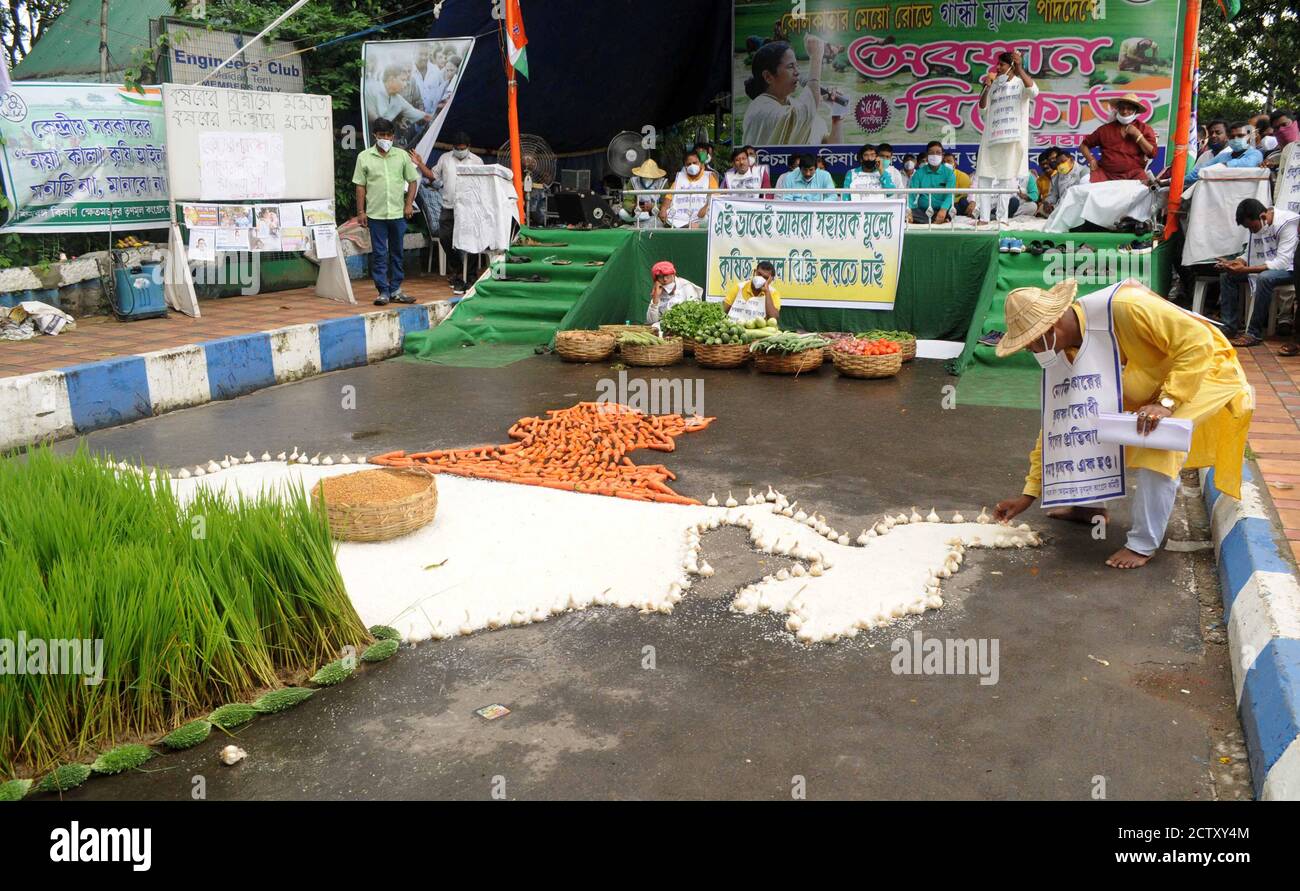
[1046, 169]
[1239, 153]
[648, 176]
[1025, 202]
[807, 176]
[686, 206]
[757, 298]
[962, 205]
[869, 178]
[1267, 263]
[646, 215]
[1127, 144]
[743, 175]
[668, 291]
[1069, 174]
[902, 176]
[1216, 140]
[933, 174]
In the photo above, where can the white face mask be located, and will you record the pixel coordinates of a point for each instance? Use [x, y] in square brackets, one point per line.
[758, 282]
[1048, 357]
[1268, 143]
[384, 144]
[692, 169]
[909, 165]
[935, 160]
[950, 166]
[643, 214]
[1126, 119]
[460, 154]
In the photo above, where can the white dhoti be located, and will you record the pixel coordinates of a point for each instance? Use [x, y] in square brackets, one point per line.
[984, 202]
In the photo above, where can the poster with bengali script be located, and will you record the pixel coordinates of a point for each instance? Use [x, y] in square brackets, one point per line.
[909, 72]
[828, 254]
[241, 166]
[1288, 180]
[83, 158]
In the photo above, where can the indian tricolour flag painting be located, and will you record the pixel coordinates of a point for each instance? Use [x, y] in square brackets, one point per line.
[518, 40]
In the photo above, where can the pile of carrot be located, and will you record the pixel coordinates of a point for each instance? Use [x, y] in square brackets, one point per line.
[580, 449]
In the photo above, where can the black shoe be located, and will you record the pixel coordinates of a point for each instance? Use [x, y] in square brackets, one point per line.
[515, 258]
[381, 300]
[400, 296]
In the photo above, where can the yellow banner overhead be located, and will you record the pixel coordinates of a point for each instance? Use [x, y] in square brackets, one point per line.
[829, 254]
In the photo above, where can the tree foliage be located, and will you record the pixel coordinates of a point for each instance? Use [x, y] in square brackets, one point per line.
[22, 22]
[1252, 63]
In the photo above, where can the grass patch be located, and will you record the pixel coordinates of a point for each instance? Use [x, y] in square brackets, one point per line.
[196, 605]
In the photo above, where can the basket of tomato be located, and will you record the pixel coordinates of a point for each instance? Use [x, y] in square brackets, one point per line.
[867, 358]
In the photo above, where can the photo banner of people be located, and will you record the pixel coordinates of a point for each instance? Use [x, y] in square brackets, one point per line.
[412, 83]
[261, 228]
[907, 73]
[837, 255]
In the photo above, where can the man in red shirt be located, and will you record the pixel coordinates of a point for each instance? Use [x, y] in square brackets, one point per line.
[1126, 144]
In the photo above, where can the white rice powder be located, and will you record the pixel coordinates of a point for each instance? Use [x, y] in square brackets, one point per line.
[514, 553]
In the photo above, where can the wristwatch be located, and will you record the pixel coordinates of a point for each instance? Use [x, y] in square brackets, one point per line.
[1168, 402]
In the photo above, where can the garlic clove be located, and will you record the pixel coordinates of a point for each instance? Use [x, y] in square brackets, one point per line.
[984, 519]
[199, 471]
[294, 456]
[881, 528]
[303, 459]
[706, 570]
[184, 474]
[798, 570]
[249, 459]
[327, 461]
[901, 519]
[794, 623]
[713, 500]
[915, 516]
[315, 459]
[815, 570]
[933, 517]
[843, 539]
[958, 518]
[282, 457]
[266, 456]
[225, 463]
[863, 539]
[782, 575]
[800, 516]
[771, 495]
[345, 460]
[232, 755]
[213, 467]
[731, 501]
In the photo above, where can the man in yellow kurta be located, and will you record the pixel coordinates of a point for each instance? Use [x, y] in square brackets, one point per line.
[1174, 364]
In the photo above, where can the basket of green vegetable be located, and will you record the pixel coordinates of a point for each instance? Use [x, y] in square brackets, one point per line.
[788, 353]
[904, 339]
[686, 320]
[649, 350]
[722, 345]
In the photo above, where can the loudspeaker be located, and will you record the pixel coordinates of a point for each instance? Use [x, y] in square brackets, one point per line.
[582, 207]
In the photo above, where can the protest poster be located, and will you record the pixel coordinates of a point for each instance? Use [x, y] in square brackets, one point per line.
[829, 254]
[83, 157]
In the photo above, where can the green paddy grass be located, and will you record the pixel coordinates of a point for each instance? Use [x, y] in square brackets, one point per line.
[196, 605]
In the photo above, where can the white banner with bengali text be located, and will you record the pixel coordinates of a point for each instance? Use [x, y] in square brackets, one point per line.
[828, 254]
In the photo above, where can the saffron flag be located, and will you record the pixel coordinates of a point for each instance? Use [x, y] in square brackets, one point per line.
[516, 39]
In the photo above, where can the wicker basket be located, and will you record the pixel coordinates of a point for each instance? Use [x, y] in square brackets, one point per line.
[688, 345]
[853, 365]
[789, 363]
[380, 522]
[722, 355]
[616, 330]
[584, 346]
[909, 349]
[831, 337]
[655, 355]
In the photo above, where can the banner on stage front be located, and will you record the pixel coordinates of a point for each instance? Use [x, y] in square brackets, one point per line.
[83, 158]
[827, 254]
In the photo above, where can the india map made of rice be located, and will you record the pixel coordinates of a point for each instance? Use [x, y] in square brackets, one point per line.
[500, 554]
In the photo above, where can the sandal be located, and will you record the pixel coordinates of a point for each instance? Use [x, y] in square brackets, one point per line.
[1289, 349]
[1245, 340]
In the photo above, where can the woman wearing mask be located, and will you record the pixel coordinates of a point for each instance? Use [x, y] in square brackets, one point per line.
[869, 178]
[1127, 144]
[668, 291]
[776, 115]
[686, 206]
[757, 298]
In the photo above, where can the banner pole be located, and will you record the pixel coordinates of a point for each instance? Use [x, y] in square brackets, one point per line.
[1191, 23]
[516, 160]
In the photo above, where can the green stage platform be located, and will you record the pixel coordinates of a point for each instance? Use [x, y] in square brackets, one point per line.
[951, 287]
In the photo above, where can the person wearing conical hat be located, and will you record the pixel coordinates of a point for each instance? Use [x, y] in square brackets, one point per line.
[1169, 363]
[649, 176]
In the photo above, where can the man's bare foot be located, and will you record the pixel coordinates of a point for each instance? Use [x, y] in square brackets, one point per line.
[1126, 559]
[1078, 514]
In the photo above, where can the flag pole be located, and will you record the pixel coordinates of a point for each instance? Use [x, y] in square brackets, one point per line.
[1180, 136]
[516, 148]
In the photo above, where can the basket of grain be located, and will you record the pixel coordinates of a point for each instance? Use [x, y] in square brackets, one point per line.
[584, 346]
[376, 505]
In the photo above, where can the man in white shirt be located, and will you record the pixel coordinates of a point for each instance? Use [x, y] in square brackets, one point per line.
[1267, 263]
[445, 173]
[1003, 161]
[428, 80]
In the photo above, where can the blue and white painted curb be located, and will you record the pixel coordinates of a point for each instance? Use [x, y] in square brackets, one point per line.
[52, 405]
[1261, 606]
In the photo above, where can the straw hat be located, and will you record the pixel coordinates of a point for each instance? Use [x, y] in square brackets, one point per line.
[1131, 98]
[1031, 311]
[650, 170]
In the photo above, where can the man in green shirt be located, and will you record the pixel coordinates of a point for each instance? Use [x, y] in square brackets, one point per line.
[386, 181]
